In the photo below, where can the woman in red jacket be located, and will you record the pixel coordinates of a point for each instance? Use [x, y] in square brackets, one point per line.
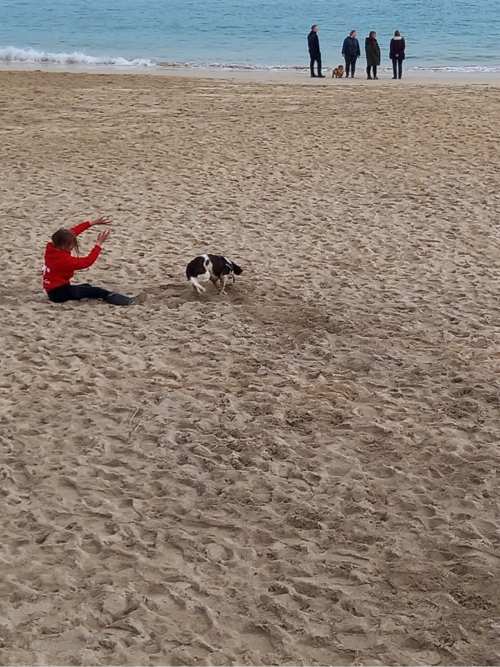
[60, 266]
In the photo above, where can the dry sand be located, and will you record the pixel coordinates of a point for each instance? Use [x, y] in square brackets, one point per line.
[302, 472]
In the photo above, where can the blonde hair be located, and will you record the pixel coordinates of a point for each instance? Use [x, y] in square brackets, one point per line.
[65, 239]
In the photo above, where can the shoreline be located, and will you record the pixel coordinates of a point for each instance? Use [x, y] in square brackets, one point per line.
[266, 76]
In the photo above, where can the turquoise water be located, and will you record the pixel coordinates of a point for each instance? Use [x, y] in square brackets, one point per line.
[440, 34]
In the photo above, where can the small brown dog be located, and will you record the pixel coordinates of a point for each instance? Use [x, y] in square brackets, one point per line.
[338, 72]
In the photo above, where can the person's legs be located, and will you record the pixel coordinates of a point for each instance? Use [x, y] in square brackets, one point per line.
[368, 72]
[60, 294]
[400, 69]
[394, 66]
[375, 72]
[318, 60]
[353, 67]
[86, 291]
[76, 293]
[347, 66]
[117, 299]
[311, 65]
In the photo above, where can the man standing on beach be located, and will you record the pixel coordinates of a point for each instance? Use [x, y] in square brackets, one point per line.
[314, 52]
[351, 52]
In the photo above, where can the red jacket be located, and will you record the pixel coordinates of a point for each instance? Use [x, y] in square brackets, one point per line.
[60, 265]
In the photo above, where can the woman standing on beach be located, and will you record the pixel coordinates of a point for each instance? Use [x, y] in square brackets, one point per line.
[60, 266]
[351, 52]
[397, 54]
[372, 50]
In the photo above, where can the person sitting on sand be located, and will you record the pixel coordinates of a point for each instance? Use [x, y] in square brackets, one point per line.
[397, 54]
[372, 55]
[60, 266]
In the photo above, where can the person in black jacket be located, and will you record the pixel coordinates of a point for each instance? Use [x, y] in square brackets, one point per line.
[314, 52]
[372, 50]
[351, 52]
[397, 54]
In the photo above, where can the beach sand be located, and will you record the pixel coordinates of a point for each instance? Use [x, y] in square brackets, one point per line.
[304, 471]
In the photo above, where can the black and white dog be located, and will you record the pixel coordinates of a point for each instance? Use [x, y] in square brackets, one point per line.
[215, 268]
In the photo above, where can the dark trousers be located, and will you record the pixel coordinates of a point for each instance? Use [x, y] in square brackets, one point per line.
[350, 65]
[369, 69]
[315, 59]
[86, 291]
[397, 68]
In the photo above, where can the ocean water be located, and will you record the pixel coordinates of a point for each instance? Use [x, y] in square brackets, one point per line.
[448, 35]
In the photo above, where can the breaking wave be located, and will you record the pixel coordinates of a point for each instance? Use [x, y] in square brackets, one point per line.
[29, 56]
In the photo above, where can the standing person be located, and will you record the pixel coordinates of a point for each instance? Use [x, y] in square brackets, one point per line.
[351, 52]
[314, 52]
[60, 266]
[397, 54]
[372, 50]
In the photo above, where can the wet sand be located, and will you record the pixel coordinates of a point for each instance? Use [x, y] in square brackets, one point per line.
[411, 76]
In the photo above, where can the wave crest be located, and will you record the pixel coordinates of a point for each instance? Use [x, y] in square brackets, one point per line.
[12, 54]
[29, 56]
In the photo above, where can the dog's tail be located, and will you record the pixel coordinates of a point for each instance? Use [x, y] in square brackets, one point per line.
[198, 287]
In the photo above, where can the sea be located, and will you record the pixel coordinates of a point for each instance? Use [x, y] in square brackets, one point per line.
[441, 35]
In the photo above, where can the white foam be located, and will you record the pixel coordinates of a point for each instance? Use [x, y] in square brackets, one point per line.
[12, 54]
[29, 56]
[459, 70]
[235, 66]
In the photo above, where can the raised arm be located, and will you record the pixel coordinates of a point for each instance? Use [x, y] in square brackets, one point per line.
[83, 226]
[78, 229]
[78, 263]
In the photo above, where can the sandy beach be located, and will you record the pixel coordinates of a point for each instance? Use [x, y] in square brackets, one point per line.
[302, 472]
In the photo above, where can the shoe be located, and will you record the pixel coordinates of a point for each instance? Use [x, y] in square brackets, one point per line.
[376, 78]
[117, 299]
[369, 78]
[140, 298]
[321, 76]
[394, 77]
[313, 76]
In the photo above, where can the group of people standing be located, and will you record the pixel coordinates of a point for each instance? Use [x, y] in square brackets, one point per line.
[351, 52]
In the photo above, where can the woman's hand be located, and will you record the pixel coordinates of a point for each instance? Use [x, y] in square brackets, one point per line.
[103, 237]
[103, 220]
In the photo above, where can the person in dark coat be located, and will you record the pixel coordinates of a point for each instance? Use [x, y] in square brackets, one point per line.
[351, 52]
[372, 50]
[314, 52]
[397, 54]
